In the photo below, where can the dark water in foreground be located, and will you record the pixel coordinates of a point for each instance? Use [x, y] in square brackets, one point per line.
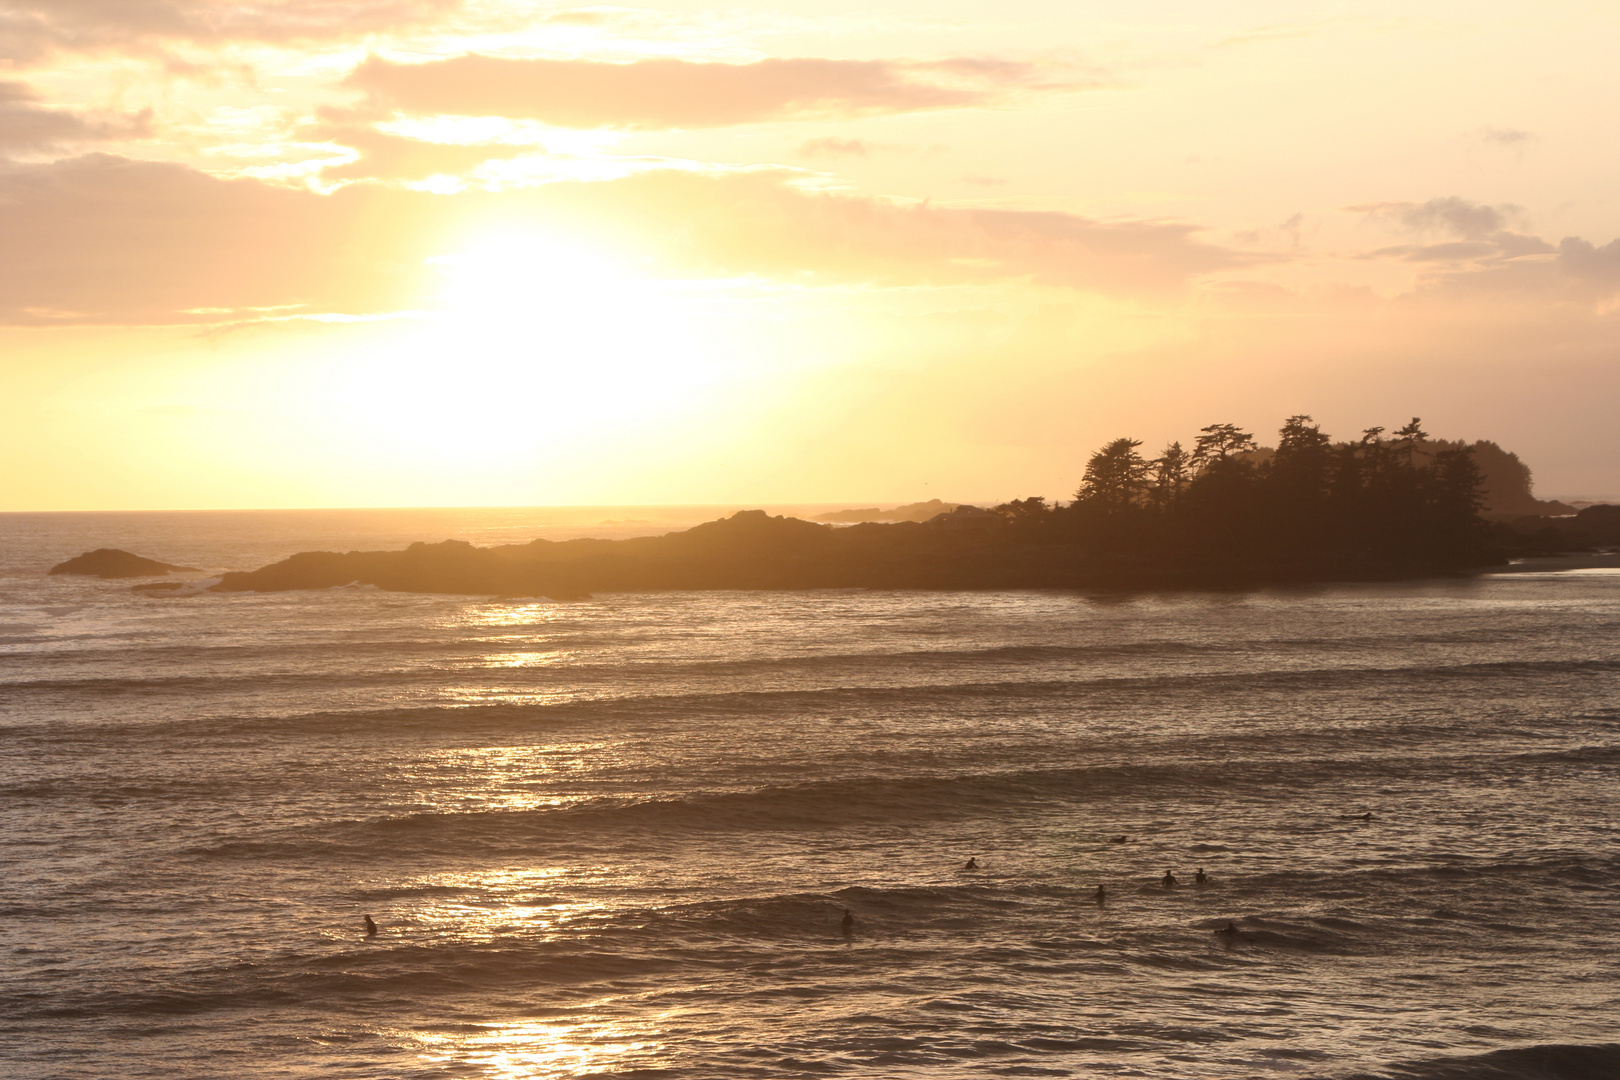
[617, 836]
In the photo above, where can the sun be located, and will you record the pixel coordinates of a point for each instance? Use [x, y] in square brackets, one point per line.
[532, 340]
[520, 274]
[542, 365]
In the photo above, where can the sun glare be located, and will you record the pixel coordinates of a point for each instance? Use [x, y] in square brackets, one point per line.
[515, 274]
[533, 339]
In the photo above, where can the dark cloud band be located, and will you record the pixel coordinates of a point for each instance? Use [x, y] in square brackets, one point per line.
[26, 125]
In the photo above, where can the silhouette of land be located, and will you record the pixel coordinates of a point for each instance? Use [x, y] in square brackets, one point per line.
[115, 563]
[1591, 529]
[1225, 513]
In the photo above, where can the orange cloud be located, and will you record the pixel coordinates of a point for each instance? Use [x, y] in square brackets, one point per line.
[663, 93]
[105, 239]
[25, 125]
[753, 223]
[31, 29]
[395, 157]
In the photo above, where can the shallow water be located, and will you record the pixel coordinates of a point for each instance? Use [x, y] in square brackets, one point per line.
[618, 836]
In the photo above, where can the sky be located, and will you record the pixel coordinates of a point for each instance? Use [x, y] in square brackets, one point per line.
[487, 252]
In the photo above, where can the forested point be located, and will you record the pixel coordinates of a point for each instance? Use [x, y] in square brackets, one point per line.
[1381, 505]
[1224, 513]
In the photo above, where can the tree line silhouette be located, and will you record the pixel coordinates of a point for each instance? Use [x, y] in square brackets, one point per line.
[1381, 504]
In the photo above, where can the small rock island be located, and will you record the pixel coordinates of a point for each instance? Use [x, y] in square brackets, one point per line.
[117, 563]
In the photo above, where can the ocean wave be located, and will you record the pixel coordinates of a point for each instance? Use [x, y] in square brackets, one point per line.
[1183, 768]
[918, 927]
[580, 701]
[662, 683]
[807, 806]
[377, 975]
[1583, 755]
[619, 947]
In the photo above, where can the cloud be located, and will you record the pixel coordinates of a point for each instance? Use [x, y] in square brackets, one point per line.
[1497, 247]
[1449, 216]
[25, 125]
[1453, 251]
[666, 93]
[1511, 268]
[106, 239]
[830, 146]
[1485, 255]
[1589, 263]
[100, 238]
[1505, 136]
[32, 29]
[1288, 231]
[395, 157]
[756, 223]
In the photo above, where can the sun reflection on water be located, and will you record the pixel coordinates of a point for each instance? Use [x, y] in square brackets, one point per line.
[526, 659]
[496, 779]
[497, 695]
[537, 1049]
[507, 613]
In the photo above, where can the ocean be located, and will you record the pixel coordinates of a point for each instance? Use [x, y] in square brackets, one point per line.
[619, 836]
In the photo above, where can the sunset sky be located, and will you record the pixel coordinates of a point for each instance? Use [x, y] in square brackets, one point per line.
[479, 252]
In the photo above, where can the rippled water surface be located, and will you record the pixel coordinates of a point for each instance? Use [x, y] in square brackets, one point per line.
[618, 836]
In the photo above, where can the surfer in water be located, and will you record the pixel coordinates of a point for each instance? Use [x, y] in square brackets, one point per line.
[848, 922]
[1101, 894]
[371, 927]
[1228, 933]
[1116, 839]
[1169, 880]
[971, 864]
[1200, 878]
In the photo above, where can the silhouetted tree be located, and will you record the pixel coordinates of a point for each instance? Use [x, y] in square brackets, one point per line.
[1373, 506]
[1458, 489]
[1171, 471]
[1410, 437]
[1301, 439]
[1116, 476]
[1218, 442]
[1304, 455]
[1026, 512]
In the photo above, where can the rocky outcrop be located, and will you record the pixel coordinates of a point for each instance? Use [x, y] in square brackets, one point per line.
[115, 563]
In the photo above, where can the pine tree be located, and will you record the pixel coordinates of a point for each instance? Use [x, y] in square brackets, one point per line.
[1116, 476]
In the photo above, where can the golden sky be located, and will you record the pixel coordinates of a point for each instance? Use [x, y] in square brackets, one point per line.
[486, 252]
